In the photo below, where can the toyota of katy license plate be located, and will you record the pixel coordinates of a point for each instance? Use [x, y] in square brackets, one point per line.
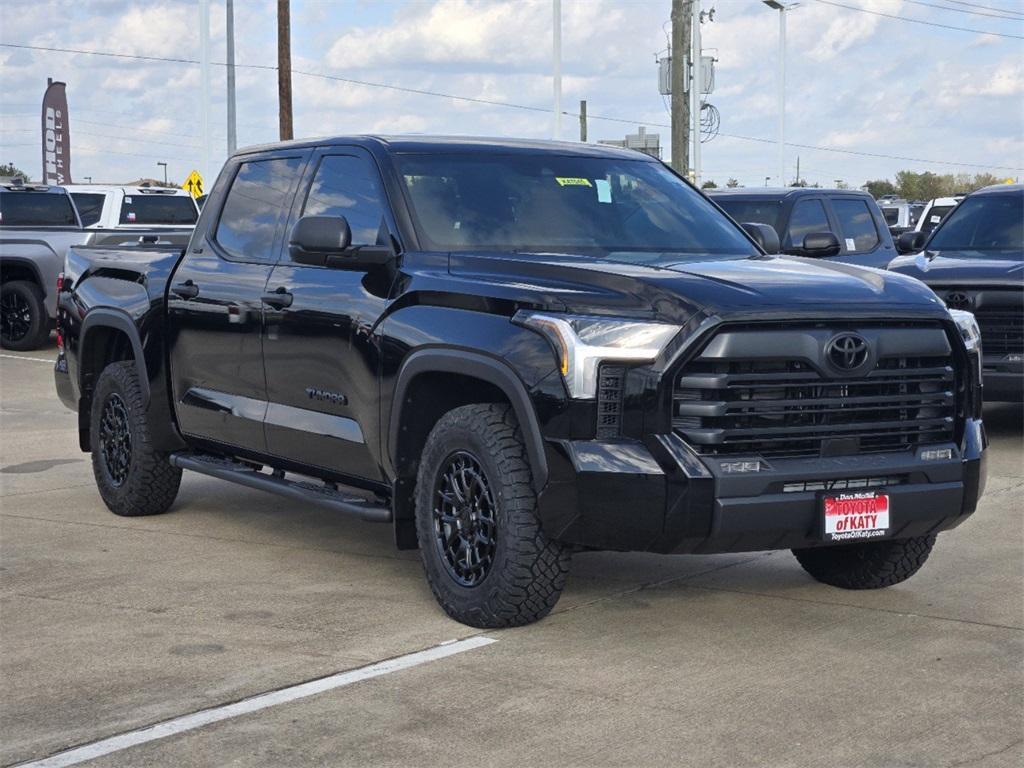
[855, 515]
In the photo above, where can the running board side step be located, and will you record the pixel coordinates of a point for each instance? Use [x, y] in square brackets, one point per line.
[307, 491]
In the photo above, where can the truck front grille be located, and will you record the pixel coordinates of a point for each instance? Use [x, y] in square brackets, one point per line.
[772, 393]
[1002, 330]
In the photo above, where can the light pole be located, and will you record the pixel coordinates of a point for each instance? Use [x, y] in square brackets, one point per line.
[88, 179]
[782, 8]
[766, 179]
[556, 67]
[165, 171]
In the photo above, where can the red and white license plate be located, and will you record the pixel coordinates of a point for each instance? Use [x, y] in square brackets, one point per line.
[856, 515]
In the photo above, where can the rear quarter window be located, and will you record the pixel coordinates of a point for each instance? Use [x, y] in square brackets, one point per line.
[158, 209]
[89, 205]
[36, 209]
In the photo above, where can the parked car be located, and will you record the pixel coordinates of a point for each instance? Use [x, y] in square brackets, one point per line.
[974, 261]
[37, 224]
[796, 213]
[104, 206]
[935, 211]
[900, 215]
[512, 350]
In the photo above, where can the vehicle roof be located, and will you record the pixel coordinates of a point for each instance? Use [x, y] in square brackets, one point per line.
[777, 193]
[104, 188]
[35, 188]
[459, 144]
[997, 189]
[945, 201]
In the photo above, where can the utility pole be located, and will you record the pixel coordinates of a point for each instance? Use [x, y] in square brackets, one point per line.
[284, 68]
[556, 68]
[680, 104]
[204, 66]
[583, 120]
[229, 7]
[798, 170]
[696, 86]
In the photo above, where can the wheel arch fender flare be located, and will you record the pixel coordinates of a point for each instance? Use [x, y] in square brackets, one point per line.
[478, 366]
[105, 317]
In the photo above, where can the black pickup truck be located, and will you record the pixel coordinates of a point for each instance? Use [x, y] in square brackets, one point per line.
[515, 350]
[974, 261]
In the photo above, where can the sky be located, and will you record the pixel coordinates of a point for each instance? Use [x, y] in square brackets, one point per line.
[932, 98]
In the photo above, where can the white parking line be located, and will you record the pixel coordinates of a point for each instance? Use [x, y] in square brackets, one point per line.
[254, 704]
[30, 359]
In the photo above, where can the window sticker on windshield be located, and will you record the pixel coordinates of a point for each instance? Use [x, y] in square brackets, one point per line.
[935, 219]
[569, 181]
[127, 201]
[604, 190]
[851, 245]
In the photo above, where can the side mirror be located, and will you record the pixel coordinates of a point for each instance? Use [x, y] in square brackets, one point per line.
[819, 245]
[763, 235]
[326, 241]
[911, 242]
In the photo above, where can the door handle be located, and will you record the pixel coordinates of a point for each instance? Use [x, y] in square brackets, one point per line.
[279, 299]
[186, 290]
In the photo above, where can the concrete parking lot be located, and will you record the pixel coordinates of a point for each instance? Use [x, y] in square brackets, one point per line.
[110, 624]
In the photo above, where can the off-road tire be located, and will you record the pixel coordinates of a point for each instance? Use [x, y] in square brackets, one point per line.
[150, 484]
[871, 565]
[528, 570]
[31, 298]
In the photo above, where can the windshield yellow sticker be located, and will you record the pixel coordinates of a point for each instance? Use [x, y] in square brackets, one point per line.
[568, 181]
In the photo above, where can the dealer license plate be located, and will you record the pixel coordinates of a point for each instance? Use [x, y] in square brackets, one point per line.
[855, 515]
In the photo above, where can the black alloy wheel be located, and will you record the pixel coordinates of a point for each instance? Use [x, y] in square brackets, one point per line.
[465, 525]
[116, 440]
[17, 316]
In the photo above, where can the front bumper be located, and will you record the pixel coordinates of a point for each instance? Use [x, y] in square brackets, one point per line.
[659, 496]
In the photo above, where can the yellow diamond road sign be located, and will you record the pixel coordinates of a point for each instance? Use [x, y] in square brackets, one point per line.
[194, 184]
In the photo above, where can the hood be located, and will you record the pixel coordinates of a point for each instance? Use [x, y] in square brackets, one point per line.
[759, 287]
[962, 267]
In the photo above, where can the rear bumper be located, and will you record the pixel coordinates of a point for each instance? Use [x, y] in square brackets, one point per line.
[661, 497]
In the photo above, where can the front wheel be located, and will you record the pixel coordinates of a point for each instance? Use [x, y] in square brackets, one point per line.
[487, 560]
[132, 477]
[871, 565]
[25, 322]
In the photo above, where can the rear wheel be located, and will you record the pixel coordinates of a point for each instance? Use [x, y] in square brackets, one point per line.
[486, 558]
[25, 324]
[871, 565]
[133, 478]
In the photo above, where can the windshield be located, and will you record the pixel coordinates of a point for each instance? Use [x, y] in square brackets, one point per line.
[36, 209]
[151, 209]
[632, 210]
[752, 211]
[983, 223]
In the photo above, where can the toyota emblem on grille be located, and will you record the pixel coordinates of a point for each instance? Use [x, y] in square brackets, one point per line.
[958, 300]
[847, 351]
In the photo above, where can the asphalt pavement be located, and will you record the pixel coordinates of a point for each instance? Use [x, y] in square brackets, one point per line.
[236, 599]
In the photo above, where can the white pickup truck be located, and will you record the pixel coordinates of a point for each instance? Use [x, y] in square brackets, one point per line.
[103, 206]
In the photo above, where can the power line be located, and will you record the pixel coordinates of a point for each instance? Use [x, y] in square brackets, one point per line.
[965, 10]
[918, 21]
[976, 5]
[545, 110]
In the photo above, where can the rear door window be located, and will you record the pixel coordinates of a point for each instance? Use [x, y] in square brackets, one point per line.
[856, 225]
[143, 209]
[89, 205]
[257, 203]
[808, 218]
[36, 209]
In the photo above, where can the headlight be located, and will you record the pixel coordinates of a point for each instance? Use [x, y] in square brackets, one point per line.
[582, 343]
[969, 330]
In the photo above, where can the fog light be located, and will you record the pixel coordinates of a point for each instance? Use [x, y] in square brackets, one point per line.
[734, 467]
[936, 454]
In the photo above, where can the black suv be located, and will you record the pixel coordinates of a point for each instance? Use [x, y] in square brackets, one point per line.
[974, 261]
[805, 218]
[514, 350]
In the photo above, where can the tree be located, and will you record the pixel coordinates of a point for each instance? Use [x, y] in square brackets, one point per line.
[10, 169]
[879, 187]
[732, 183]
[709, 184]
